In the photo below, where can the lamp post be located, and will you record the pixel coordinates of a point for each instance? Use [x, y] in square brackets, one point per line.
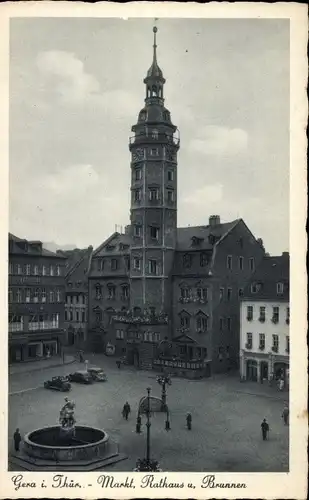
[164, 380]
[148, 425]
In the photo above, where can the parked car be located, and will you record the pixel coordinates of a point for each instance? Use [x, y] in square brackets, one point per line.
[81, 377]
[58, 384]
[97, 374]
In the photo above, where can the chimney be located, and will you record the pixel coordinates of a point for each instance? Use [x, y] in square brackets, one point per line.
[214, 220]
[286, 254]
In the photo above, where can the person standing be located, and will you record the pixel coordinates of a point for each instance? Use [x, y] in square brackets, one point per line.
[285, 415]
[265, 429]
[17, 439]
[126, 410]
[189, 421]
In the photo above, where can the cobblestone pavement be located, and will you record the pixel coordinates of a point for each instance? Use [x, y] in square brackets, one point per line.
[226, 417]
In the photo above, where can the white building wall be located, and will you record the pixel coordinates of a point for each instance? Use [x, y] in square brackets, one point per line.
[268, 327]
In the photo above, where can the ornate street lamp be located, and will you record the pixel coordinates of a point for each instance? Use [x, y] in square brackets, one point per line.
[148, 405]
[164, 380]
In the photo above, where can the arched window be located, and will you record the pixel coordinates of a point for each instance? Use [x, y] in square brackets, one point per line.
[154, 91]
[111, 290]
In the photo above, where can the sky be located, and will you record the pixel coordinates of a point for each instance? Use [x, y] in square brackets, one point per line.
[76, 88]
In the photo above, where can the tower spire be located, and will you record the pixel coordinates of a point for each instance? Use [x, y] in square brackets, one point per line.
[155, 29]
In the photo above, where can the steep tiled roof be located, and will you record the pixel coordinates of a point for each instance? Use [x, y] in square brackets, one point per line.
[115, 240]
[79, 271]
[185, 235]
[31, 248]
[270, 272]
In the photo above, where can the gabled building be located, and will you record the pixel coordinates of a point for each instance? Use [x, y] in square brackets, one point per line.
[76, 299]
[36, 300]
[265, 319]
[162, 295]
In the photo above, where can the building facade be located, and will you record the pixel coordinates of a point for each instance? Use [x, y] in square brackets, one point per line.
[76, 301]
[164, 296]
[36, 298]
[265, 319]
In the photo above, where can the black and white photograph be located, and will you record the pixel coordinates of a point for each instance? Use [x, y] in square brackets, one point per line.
[148, 249]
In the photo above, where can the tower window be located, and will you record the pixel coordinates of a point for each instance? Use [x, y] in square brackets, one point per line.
[154, 232]
[137, 195]
[153, 266]
[137, 230]
[153, 194]
[154, 152]
[170, 175]
[155, 134]
[170, 195]
[138, 174]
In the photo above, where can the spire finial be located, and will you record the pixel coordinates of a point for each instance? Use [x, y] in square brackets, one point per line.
[155, 29]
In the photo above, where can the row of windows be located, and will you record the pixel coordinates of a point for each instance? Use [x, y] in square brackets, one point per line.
[201, 322]
[111, 291]
[262, 314]
[257, 287]
[138, 175]
[153, 195]
[201, 295]
[34, 270]
[188, 259]
[79, 316]
[35, 322]
[74, 299]
[261, 345]
[102, 264]
[36, 295]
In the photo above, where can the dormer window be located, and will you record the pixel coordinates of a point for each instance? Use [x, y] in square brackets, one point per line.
[280, 288]
[196, 241]
[256, 287]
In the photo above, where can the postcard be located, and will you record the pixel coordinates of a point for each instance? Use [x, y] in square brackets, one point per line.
[153, 246]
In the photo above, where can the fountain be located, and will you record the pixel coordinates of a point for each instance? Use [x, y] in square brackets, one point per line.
[66, 447]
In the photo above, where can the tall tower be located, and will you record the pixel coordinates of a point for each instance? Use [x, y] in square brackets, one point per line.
[153, 149]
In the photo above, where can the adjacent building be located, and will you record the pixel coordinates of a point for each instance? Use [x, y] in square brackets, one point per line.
[165, 296]
[265, 319]
[76, 299]
[36, 299]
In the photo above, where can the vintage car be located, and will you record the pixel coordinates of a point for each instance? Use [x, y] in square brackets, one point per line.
[81, 377]
[58, 384]
[97, 374]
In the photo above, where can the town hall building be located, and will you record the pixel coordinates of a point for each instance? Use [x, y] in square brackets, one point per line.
[162, 296]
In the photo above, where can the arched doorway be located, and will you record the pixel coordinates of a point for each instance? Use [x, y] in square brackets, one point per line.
[251, 370]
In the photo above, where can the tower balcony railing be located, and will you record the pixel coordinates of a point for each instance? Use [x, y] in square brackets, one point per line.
[154, 138]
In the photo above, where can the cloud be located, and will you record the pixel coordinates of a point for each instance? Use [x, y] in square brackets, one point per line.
[205, 195]
[220, 141]
[74, 83]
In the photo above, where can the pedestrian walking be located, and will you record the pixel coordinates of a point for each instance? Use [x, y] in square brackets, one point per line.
[138, 425]
[126, 410]
[17, 439]
[281, 384]
[81, 357]
[265, 429]
[285, 415]
[118, 363]
[189, 421]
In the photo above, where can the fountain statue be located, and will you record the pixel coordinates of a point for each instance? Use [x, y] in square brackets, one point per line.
[67, 420]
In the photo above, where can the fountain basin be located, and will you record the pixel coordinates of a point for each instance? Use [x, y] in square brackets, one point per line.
[46, 444]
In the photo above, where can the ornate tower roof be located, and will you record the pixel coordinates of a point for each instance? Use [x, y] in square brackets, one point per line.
[154, 71]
